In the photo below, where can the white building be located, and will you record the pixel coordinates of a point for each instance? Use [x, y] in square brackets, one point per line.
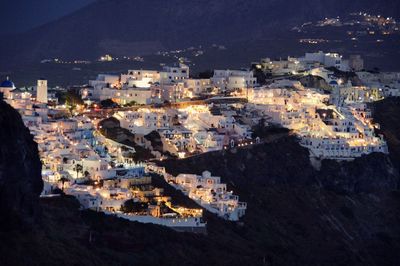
[144, 120]
[171, 92]
[105, 80]
[132, 94]
[233, 79]
[326, 59]
[343, 132]
[140, 78]
[197, 86]
[174, 74]
[41, 91]
[211, 194]
[280, 67]
[101, 93]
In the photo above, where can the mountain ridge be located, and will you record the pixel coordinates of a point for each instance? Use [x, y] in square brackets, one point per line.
[143, 27]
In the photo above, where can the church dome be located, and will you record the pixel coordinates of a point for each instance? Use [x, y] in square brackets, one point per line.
[206, 174]
[7, 84]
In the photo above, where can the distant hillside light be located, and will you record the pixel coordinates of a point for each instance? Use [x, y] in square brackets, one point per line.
[106, 58]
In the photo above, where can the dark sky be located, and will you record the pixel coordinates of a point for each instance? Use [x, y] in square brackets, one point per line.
[21, 15]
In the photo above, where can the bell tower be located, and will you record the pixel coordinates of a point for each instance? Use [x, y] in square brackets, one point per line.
[41, 95]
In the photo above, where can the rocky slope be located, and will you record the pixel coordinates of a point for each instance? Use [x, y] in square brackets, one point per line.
[345, 214]
[386, 113]
[284, 162]
[20, 171]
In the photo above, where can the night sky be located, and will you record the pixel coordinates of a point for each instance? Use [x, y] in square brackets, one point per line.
[21, 15]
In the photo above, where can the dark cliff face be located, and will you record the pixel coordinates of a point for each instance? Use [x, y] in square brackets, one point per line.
[368, 174]
[386, 113]
[20, 171]
[291, 220]
[345, 214]
[286, 162]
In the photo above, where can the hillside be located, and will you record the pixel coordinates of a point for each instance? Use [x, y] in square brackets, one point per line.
[34, 13]
[124, 27]
[345, 214]
[291, 220]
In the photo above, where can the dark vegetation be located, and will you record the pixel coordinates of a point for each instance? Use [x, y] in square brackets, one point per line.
[108, 104]
[260, 75]
[131, 103]
[69, 97]
[131, 206]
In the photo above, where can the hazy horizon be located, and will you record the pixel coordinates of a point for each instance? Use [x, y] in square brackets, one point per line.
[22, 15]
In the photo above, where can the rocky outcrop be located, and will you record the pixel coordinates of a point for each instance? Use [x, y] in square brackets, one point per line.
[345, 214]
[368, 174]
[311, 81]
[386, 113]
[286, 162]
[20, 171]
